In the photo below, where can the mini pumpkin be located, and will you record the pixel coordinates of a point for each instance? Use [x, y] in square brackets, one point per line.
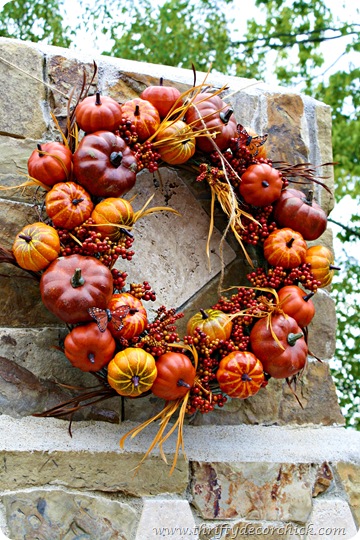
[175, 142]
[162, 97]
[132, 372]
[36, 246]
[143, 115]
[97, 113]
[296, 303]
[214, 323]
[114, 210]
[175, 376]
[89, 349]
[50, 163]
[135, 322]
[240, 374]
[321, 260]
[285, 247]
[260, 185]
[68, 205]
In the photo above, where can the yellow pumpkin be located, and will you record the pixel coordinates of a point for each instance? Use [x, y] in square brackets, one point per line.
[36, 246]
[175, 142]
[321, 260]
[214, 323]
[132, 372]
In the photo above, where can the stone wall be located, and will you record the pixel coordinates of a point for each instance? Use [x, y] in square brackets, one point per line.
[261, 464]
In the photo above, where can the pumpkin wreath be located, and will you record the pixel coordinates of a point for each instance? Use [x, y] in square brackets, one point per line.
[86, 227]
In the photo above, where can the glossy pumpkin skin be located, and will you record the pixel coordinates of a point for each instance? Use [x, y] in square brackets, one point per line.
[296, 303]
[321, 260]
[36, 246]
[89, 349]
[143, 115]
[132, 372]
[97, 113]
[112, 210]
[104, 165]
[285, 247]
[301, 213]
[240, 374]
[213, 322]
[53, 168]
[135, 322]
[181, 147]
[277, 362]
[71, 285]
[217, 116]
[68, 205]
[162, 97]
[175, 376]
[260, 185]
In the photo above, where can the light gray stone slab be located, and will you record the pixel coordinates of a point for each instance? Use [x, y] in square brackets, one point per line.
[164, 517]
[331, 519]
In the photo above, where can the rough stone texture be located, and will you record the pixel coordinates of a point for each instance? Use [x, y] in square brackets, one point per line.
[332, 519]
[162, 516]
[321, 329]
[56, 513]
[349, 475]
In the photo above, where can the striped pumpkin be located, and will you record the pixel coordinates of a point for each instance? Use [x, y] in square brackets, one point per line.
[112, 210]
[132, 372]
[36, 246]
[135, 322]
[240, 374]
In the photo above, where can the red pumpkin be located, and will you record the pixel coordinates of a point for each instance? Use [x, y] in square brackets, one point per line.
[175, 142]
[285, 247]
[240, 374]
[211, 112]
[68, 205]
[260, 185]
[89, 349]
[296, 303]
[321, 260]
[104, 165]
[97, 113]
[162, 97]
[214, 323]
[135, 322]
[50, 163]
[285, 357]
[112, 210]
[132, 372]
[143, 115]
[175, 376]
[36, 246]
[301, 213]
[71, 285]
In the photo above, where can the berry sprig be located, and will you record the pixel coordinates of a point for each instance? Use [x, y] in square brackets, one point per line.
[161, 332]
[119, 279]
[277, 277]
[143, 291]
[252, 233]
[147, 157]
[127, 131]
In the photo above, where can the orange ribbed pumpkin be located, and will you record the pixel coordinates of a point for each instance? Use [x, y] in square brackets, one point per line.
[36, 246]
[240, 374]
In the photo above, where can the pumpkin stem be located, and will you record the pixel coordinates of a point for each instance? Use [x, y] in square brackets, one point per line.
[183, 383]
[77, 201]
[161, 81]
[132, 311]
[116, 159]
[137, 110]
[135, 379]
[309, 197]
[25, 237]
[245, 377]
[225, 116]
[91, 357]
[332, 267]
[308, 296]
[97, 98]
[41, 154]
[204, 314]
[77, 280]
[292, 338]
[290, 242]
[264, 183]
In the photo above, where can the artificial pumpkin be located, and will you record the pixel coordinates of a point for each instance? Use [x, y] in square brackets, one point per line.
[50, 163]
[97, 113]
[260, 185]
[143, 115]
[285, 247]
[240, 374]
[104, 165]
[321, 260]
[36, 246]
[296, 303]
[68, 205]
[162, 97]
[113, 210]
[301, 213]
[89, 349]
[71, 285]
[209, 111]
[214, 323]
[135, 322]
[132, 372]
[282, 357]
[175, 142]
[175, 376]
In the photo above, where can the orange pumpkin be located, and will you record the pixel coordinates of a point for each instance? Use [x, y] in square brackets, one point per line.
[96, 113]
[285, 247]
[36, 246]
[214, 323]
[68, 205]
[321, 261]
[175, 376]
[50, 163]
[135, 322]
[143, 115]
[132, 372]
[296, 303]
[89, 349]
[240, 374]
[162, 97]
[175, 142]
[260, 184]
[112, 210]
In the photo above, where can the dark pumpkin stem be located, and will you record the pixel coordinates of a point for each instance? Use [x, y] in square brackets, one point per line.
[77, 280]
[204, 314]
[77, 201]
[41, 153]
[137, 110]
[161, 81]
[25, 237]
[309, 197]
[245, 377]
[332, 267]
[225, 116]
[135, 379]
[127, 232]
[264, 183]
[183, 383]
[132, 311]
[292, 338]
[116, 159]
[97, 98]
[308, 296]
[91, 357]
[290, 242]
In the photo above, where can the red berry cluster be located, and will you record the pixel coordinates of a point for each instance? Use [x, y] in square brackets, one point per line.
[252, 233]
[161, 332]
[147, 157]
[127, 131]
[277, 277]
[143, 291]
[119, 279]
